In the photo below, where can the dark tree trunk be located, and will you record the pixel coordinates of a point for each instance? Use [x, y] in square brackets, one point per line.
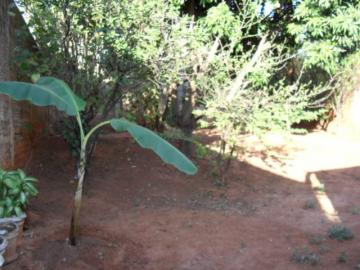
[185, 119]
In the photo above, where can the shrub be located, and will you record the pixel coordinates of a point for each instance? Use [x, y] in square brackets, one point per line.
[340, 233]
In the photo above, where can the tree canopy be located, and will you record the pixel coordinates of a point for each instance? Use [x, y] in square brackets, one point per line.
[238, 65]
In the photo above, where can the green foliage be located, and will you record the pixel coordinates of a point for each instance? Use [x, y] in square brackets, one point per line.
[148, 139]
[15, 190]
[219, 164]
[259, 104]
[48, 89]
[159, 64]
[288, 106]
[244, 89]
[346, 82]
[326, 31]
[340, 233]
[140, 53]
[84, 43]
[202, 151]
[71, 134]
[45, 92]
[220, 21]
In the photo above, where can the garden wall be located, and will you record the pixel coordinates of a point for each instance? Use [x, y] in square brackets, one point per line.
[20, 123]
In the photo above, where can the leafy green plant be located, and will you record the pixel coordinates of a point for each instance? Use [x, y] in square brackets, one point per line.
[340, 233]
[15, 189]
[220, 161]
[51, 91]
[201, 150]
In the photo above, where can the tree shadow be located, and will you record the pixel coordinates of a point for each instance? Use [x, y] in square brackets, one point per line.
[131, 192]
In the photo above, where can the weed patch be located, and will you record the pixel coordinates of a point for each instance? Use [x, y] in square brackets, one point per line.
[305, 256]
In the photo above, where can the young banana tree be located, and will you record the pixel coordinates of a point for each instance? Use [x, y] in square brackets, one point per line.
[51, 91]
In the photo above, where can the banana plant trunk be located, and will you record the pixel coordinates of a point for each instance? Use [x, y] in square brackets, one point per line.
[75, 219]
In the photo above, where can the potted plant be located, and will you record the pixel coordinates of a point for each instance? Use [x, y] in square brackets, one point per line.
[15, 190]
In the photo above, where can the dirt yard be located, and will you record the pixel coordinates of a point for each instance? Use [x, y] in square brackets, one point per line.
[139, 214]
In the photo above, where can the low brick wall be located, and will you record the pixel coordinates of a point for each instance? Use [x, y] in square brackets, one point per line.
[21, 125]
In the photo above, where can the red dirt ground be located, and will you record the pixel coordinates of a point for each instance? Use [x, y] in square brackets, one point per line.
[140, 214]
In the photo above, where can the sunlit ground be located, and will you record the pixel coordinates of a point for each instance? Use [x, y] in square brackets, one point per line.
[300, 158]
[323, 199]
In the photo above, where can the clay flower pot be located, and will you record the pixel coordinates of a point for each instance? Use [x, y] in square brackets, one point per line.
[3, 245]
[10, 232]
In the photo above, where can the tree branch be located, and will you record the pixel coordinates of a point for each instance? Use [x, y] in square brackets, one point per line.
[239, 80]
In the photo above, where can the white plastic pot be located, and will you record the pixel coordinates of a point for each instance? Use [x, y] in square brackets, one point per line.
[3, 245]
[19, 220]
[10, 232]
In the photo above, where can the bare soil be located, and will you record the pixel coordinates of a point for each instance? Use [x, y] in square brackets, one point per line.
[141, 214]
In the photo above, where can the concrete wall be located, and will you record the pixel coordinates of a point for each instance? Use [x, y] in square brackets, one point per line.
[20, 123]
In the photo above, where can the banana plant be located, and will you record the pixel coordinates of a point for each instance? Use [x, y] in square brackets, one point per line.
[49, 91]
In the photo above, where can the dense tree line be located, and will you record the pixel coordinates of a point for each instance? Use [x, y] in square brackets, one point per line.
[241, 66]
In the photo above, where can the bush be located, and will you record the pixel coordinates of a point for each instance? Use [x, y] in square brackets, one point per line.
[340, 233]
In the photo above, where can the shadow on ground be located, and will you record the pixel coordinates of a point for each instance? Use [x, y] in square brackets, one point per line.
[141, 214]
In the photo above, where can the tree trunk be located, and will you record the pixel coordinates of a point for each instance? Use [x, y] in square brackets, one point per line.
[75, 219]
[184, 114]
[163, 106]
